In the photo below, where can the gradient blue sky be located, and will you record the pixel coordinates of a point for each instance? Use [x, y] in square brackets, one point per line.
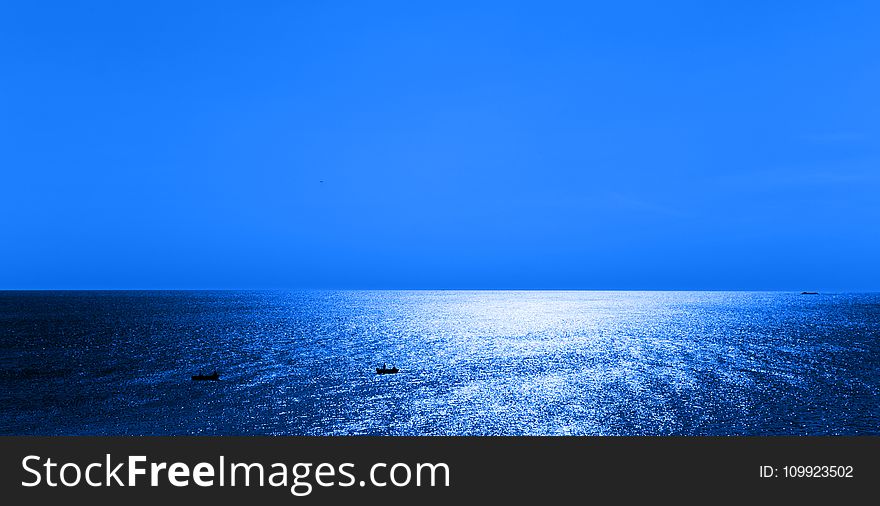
[606, 145]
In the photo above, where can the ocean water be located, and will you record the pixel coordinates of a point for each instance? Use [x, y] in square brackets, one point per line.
[472, 363]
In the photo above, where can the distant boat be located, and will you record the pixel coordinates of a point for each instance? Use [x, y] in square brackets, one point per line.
[809, 293]
[385, 370]
[214, 376]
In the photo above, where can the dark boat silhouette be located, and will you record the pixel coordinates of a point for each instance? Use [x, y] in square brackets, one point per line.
[385, 370]
[809, 293]
[214, 376]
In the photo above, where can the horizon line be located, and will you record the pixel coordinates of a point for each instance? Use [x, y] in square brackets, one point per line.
[386, 289]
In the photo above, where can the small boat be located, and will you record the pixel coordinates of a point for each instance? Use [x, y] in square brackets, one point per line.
[214, 376]
[385, 370]
[809, 293]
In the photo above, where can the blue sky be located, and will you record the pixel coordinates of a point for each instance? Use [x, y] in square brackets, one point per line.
[606, 145]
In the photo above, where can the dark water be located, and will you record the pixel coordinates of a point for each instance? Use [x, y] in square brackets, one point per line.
[511, 363]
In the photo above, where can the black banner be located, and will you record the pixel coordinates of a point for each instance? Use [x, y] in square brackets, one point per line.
[433, 470]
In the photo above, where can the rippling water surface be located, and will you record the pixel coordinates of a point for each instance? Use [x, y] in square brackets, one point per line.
[472, 363]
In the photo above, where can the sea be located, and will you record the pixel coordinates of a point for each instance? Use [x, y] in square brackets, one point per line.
[470, 363]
